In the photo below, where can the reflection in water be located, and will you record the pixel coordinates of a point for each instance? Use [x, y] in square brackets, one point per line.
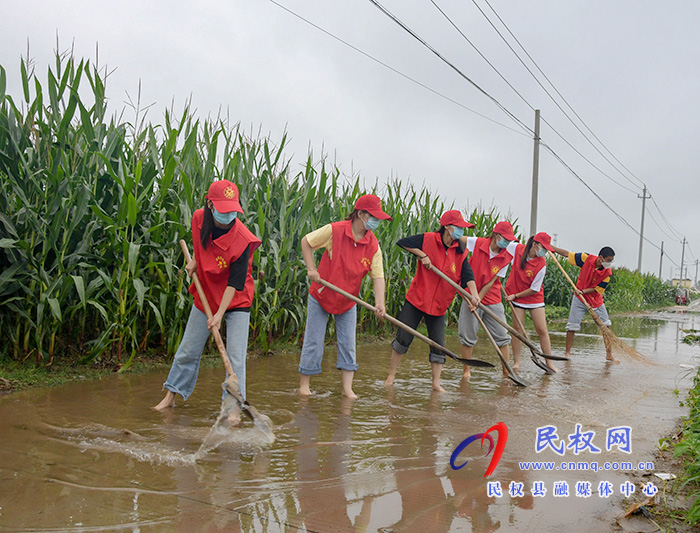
[93, 456]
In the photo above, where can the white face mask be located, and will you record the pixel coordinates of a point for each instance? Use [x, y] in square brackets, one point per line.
[607, 264]
[541, 252]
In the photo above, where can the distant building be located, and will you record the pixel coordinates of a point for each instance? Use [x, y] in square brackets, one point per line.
[685, 283]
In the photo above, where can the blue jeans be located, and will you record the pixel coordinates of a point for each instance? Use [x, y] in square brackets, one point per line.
[183, 374]
[315, 334]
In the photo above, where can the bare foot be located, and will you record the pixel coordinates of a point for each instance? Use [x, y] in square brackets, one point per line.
[349, 394]
[438, 388]
[516, 367]
[552, 367]
[612, 360]
[168, 401]
[466, 375]
[389, 381]
[305, 391]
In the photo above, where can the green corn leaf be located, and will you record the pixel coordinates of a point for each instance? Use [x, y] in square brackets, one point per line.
[132, 209]
[140, 292]
[80, 287]
[55, 308]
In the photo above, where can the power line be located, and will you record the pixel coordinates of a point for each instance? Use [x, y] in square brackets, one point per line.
[454, 25]
[594, 193]
[660, 228]
[380, 62]
[413, 34]
[494, 100]
[557, 91]
[678, 235]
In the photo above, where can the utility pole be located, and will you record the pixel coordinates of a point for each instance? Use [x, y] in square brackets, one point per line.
[682, 259]
[661, 259]
[696, 273]
[641, 231]
[535, 175]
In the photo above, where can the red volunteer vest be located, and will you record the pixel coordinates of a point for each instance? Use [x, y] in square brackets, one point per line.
[486, 268]
[350, 263]
[428, 292]
[589, 277]
[213, 263]
[520, 279]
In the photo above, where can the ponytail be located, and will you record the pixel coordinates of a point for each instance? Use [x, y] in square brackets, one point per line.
[526, 252]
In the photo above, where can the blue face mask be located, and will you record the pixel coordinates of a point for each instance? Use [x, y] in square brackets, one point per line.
[541, 252]
[457, 233]
[502, 243]
[372, 223]
[224, 218]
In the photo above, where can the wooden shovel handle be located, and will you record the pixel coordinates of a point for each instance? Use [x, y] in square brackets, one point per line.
[207, 310]
[486, 310]
[398, 323]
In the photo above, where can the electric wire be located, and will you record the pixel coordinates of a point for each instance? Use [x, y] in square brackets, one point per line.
[673, 239]
[678, 235]
[385, 65]
[451, 65]
[494, 100]
[557, 91]
[530, 105]
[594, 193]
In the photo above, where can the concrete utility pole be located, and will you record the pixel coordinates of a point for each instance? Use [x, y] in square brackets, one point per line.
[641, 231]
[682, 259]
[535, 175]
[696, 273]
[661, 259]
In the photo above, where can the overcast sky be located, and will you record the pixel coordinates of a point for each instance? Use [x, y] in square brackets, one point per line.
[628, 68]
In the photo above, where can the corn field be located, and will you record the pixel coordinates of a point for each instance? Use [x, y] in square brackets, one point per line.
[92, 207]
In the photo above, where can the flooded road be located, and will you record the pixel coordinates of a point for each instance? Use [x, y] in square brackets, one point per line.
[94, 456]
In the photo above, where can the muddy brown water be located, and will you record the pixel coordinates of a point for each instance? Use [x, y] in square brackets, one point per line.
[93, 456]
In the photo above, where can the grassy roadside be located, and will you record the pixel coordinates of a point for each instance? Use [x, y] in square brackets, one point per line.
[676, 507]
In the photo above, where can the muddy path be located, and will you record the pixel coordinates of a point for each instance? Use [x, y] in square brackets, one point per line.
[93, 456]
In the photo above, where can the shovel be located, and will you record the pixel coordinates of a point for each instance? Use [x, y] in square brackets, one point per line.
[516, 319]
[398, 323]
[498, 319]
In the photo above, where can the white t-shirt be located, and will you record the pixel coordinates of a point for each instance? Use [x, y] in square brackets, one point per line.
[471, 244]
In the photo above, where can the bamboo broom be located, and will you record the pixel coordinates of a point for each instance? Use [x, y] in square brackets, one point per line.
[616, 345]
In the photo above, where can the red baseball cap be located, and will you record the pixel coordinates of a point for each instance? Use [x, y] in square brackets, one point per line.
[505, 229]
[545, 240]
[224, 195]
[373, 205]
[454, 217]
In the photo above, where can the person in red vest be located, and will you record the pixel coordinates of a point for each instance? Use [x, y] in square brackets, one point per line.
[490, 259]
[223, 260]
[429, 296]
[524, 289]
[590, 285]
[351, 252]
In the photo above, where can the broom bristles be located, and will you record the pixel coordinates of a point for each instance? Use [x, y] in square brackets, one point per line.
[618, 346]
